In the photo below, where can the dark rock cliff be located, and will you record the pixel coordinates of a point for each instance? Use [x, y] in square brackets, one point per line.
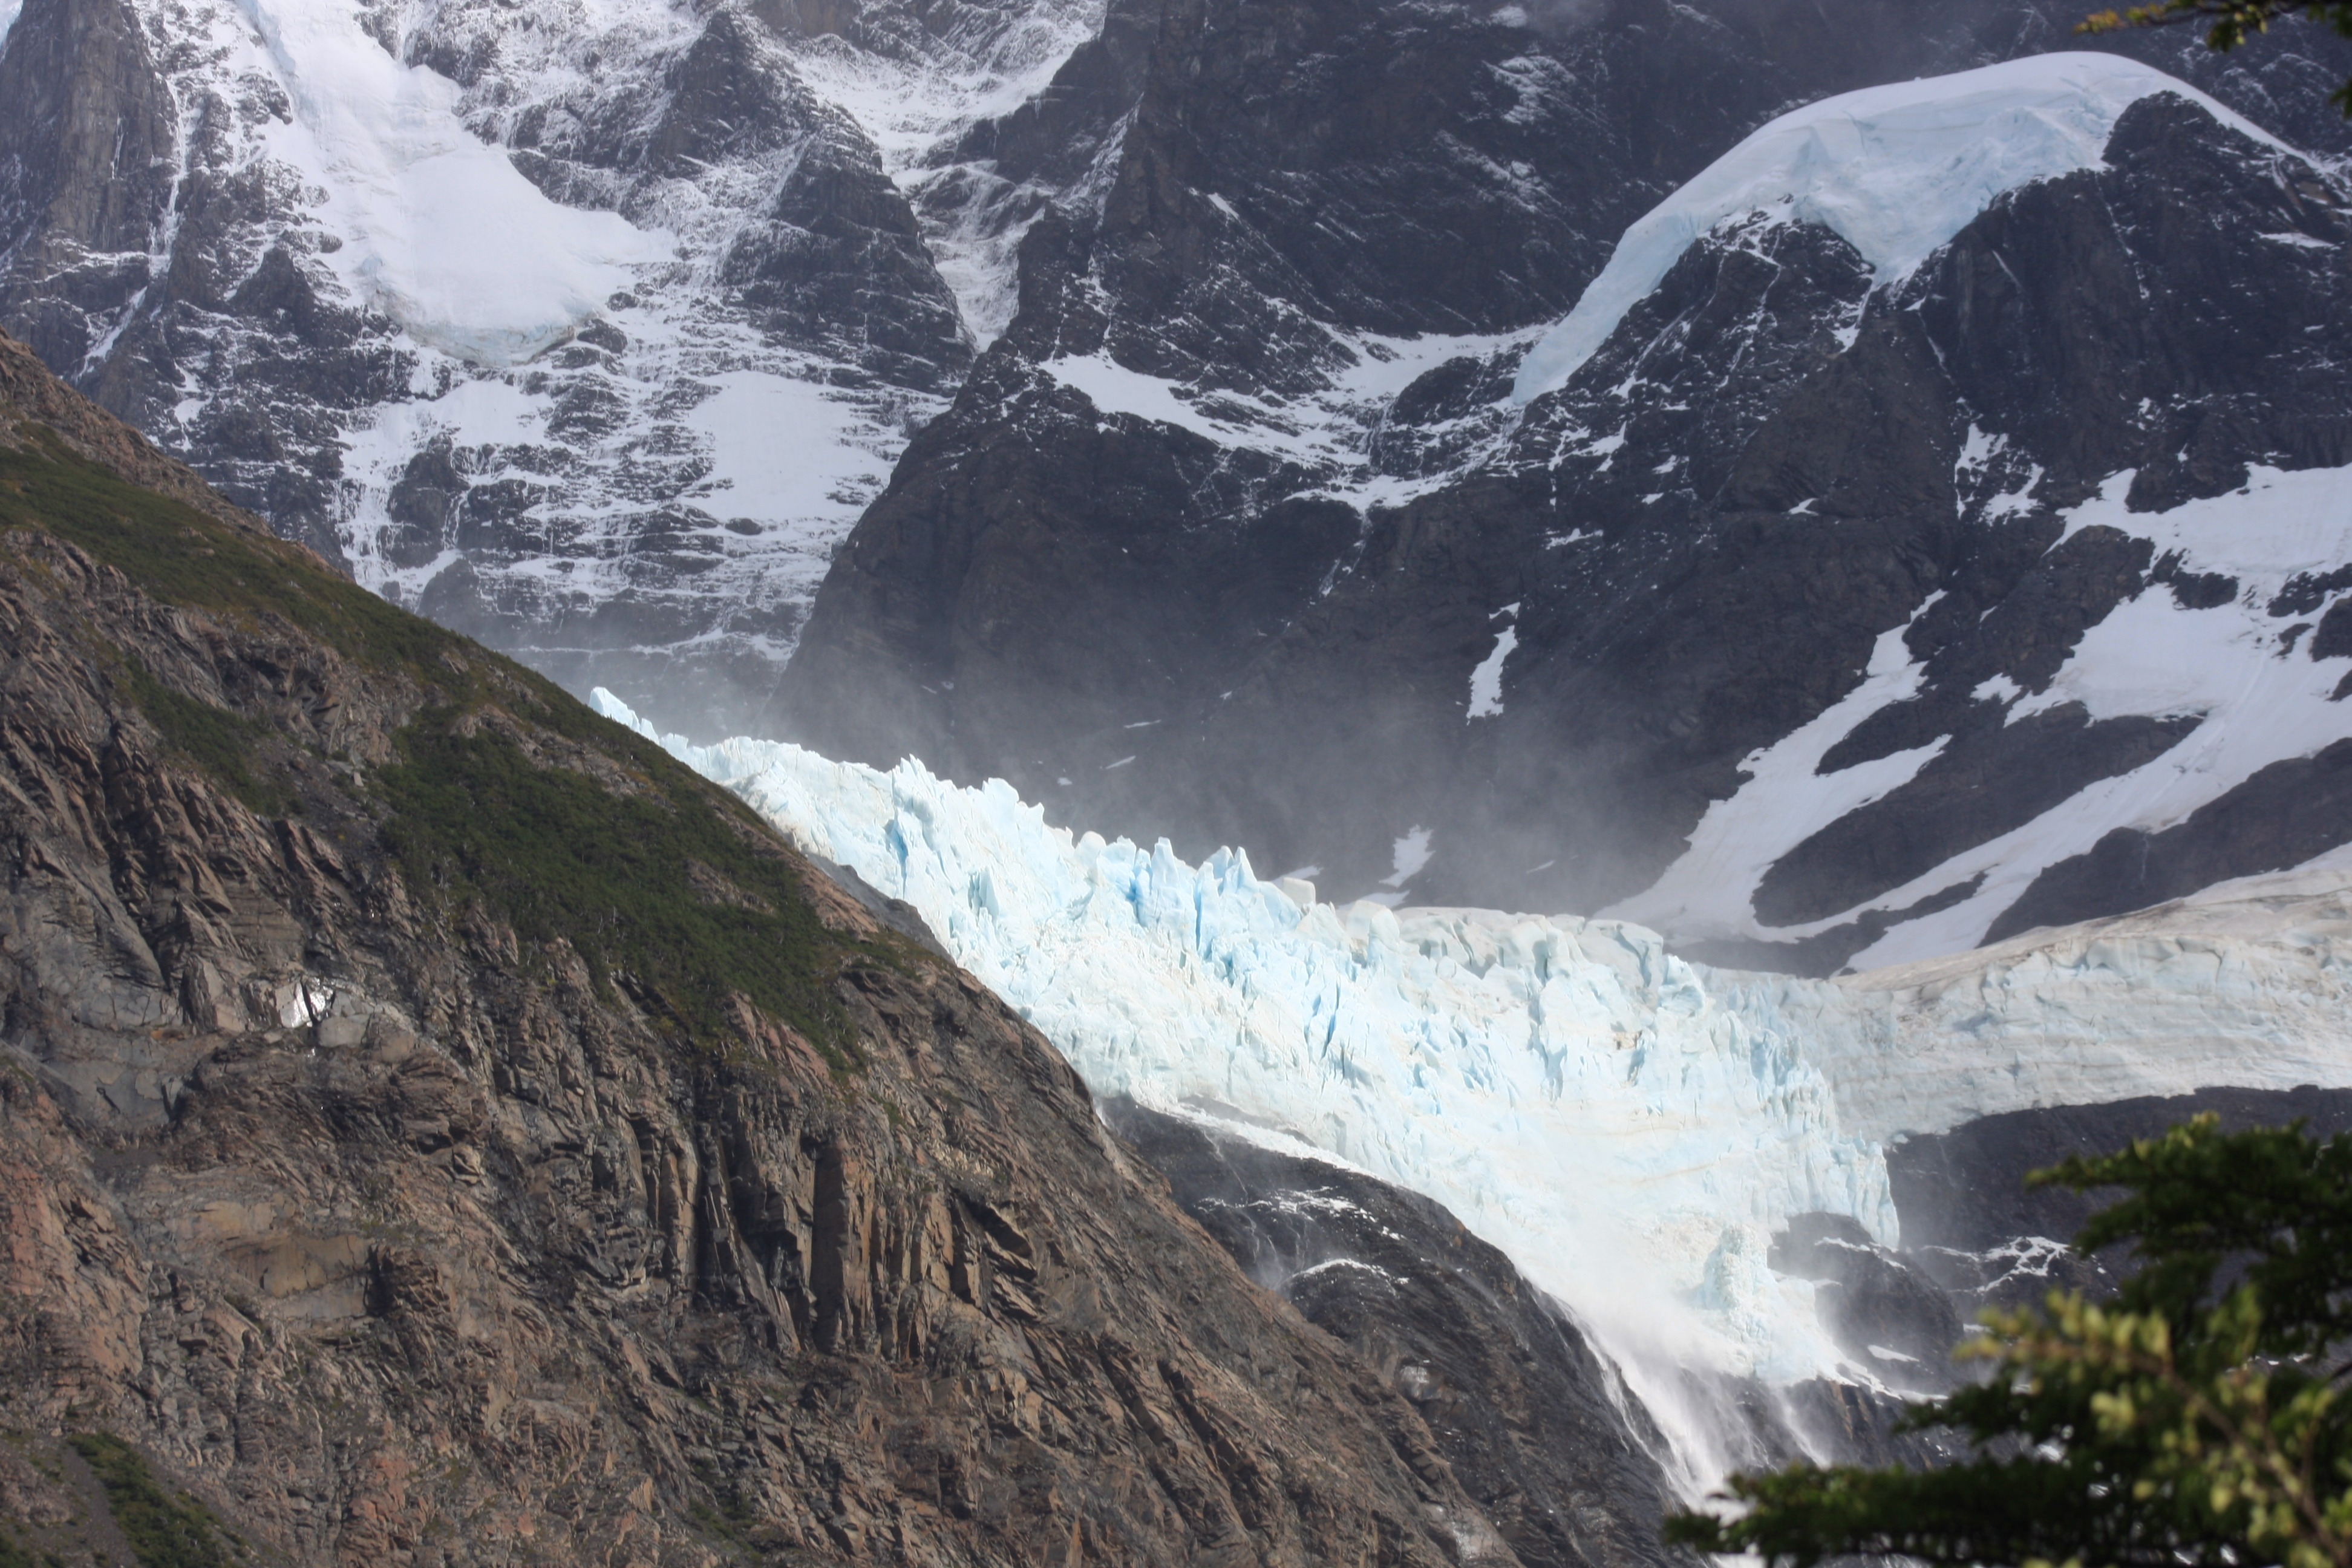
[1695, 545]
[1543, 1430]
[436, 1127]
[1529, 1415]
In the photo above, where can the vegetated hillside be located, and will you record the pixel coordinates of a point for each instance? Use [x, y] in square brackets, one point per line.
[437, 1128]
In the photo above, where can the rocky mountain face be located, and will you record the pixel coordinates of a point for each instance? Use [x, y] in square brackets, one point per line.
[505, 308]
[591, 332]
[439, 1129]
[1260, 526]
[1539, 1424]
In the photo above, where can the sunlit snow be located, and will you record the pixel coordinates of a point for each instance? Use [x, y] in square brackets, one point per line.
[1896, 170]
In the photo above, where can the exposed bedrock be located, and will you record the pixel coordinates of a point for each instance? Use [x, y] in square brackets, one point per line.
[1679, 559]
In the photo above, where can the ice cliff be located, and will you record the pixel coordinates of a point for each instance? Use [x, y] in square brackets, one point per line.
[1630, 1127]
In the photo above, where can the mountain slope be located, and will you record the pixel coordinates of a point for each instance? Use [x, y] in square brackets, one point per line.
[441, 1128]
[500, 307]
[1790, 599]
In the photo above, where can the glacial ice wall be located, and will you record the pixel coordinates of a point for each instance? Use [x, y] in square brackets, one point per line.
[1630, 1128]
[2246, 985]
[1568, 1088]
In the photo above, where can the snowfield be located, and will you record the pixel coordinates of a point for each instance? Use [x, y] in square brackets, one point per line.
[1896, 170]
[1630, 1128]
[2260, 700]
[439, 230]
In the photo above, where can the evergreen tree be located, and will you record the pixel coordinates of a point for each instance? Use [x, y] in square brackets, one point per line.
[2232, 22]
[2199, 1417]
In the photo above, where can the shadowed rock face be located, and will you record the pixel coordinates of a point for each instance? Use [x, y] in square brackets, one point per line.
[1535, 1421]
[1966, 1189]
[1794, 473]
[1975, 1235]
[380, 1170]
[1517, 1399]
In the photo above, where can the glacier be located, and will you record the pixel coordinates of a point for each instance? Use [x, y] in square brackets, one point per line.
[1629, 1127]
[1896, 170]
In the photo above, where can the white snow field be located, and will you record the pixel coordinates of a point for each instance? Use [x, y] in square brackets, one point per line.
[396, 187]
[2262, 699]
[439, 230]
[1630, 1128]
[1896, 170]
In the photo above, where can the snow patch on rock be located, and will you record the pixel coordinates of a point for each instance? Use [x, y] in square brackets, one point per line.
[1328, 433]
[2149, 655]
[1707, 891]
[1896, 170]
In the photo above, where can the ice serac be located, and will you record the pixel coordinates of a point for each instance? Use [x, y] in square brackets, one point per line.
[2243, 985]
[1632, 1129]
[1894, 171]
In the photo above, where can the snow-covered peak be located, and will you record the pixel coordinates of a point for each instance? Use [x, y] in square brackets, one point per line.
[1897, 171]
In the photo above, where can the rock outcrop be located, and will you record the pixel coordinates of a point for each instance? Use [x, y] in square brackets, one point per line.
[437, 1128]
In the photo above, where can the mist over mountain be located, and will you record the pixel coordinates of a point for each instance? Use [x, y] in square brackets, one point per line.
[1420, 742]
[594, 333]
